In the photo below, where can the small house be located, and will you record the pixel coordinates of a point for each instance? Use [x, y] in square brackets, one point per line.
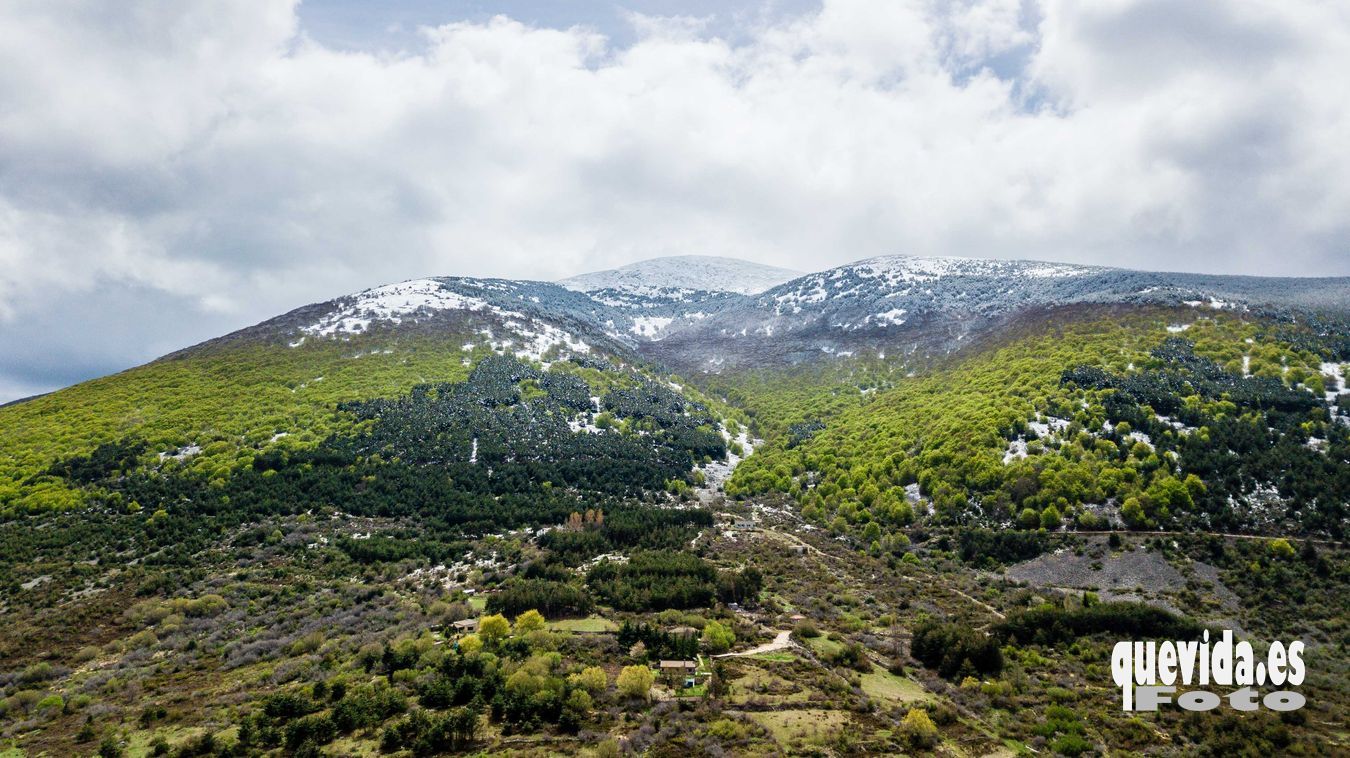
[677, 671]
[465, 626]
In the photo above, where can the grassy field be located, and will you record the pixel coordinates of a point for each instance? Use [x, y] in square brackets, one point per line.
[884, 685]
[758, 684]
[777, 656]
[790, 726]
[590, 624]
[824, 646]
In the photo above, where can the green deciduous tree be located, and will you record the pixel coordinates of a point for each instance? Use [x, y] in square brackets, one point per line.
[529, 621]
[493, 629]
[717, 637]
[635, 681]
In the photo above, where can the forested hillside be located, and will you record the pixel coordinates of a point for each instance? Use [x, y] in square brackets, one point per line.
[1137, 420]
[478, 516]
[210, 413]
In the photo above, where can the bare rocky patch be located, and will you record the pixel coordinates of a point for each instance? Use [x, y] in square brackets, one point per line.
[1128, 573]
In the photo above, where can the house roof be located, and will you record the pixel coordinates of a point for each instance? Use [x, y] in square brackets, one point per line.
[678, 665]
[466, 624]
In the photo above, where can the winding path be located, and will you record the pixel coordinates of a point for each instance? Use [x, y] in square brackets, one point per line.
[782, 641]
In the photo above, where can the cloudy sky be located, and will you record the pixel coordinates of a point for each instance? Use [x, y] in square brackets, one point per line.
[171, 171]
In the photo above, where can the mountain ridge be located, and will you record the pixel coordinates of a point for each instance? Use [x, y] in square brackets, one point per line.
[932, 304]
[705, 273]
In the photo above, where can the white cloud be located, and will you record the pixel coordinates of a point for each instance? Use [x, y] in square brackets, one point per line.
[212, 152]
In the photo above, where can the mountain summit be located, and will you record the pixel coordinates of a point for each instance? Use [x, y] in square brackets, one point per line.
[709, 314]
[704, 273]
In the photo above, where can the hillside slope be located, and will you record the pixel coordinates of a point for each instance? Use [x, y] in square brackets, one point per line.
[280, 379]
[1093, 417]
[458, 515]
[211, 409]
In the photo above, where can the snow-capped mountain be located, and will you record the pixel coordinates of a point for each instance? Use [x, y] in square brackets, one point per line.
[662, 296]
[666, 277]
[532, 320]
[710, 314]
[904, 304]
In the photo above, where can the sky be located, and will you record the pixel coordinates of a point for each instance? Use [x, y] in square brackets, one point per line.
[170, 171]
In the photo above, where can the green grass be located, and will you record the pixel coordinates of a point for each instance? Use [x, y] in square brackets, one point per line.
[824, 645]
[790, 726]
[756, 683]
[591, 624]
[776, 656]
[697, 690]
[355, 747]
[138, 742]
[884, 685]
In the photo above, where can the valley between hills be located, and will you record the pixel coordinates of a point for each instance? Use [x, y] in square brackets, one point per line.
[692, 507]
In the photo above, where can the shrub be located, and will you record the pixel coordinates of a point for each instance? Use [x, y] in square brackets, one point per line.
[919, 729]
[852, 655]
[727, 730]
[206, 605]
[1071, 744]
[1280, 548]
[143, 638]
[109, 748]
[318, 729]
[50, 705]
[307, 644]
[86, 654]
[38, 672]
[284, 706]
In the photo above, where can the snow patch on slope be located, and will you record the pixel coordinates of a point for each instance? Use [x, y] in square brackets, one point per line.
[392, 303]
[651, 326]
[526, 336]
[894, 317]
[532, 339]
[897, 269]
[915, 283]
[699, 273]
